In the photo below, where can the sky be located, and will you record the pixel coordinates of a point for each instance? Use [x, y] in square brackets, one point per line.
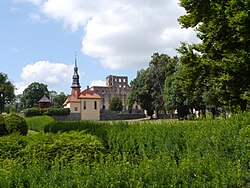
[39, 39]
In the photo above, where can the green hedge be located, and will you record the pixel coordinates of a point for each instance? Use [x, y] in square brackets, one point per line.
[48, 148]
[13, 123]
[46, 111]
[209, 153]
[3, 130]
[38, 123]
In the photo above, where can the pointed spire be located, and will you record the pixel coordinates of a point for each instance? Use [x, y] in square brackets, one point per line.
[75, 77]
[75, 60]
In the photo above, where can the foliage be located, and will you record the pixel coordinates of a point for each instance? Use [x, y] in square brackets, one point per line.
[140, 92]
[148, 87]
[15, 124]
[3, 130]
[224, 49]
[29, 112]
[115, 104]
[138, 154]
[59, 99]
[50, 148]
[160, 66]
[6, 90]
[38, 123]
[174, 98]
[33, 93]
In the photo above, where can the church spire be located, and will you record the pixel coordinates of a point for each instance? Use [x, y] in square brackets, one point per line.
[75, 77]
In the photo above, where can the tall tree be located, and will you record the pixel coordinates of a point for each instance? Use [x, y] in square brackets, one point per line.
[33, 93]
[7, 94]
[141, 92]
[147, 89]
[174, 96]
[223, 27]
[59, 99]
[160, 66]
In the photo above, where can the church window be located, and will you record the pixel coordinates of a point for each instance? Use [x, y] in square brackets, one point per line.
[95, 105]
[84, 105]
[75, 108]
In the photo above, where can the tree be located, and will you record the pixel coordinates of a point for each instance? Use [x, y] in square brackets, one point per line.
[147, 89]
[223, 27]
[7, 94]
[33, 93]
[59, 99]
[141, 92]
[160, 66]
[174, 98]
[115, 104]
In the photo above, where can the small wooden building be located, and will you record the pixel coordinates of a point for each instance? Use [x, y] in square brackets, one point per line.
[44, 102]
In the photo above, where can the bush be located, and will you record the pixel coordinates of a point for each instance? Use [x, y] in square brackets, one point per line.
[115, 104]
[15, 123]
[38, 123]
[3, 130]
[64, 147]
[30, 112]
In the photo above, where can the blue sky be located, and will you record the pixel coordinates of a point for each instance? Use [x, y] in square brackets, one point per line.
[39, 38]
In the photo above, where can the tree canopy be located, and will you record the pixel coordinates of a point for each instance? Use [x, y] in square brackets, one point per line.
[115, 104]
[33, 93]
[59, 99]
[147, 89]
[6, 90]
[223, 54]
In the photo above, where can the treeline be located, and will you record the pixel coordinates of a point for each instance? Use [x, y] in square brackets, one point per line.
[210, 75]
[9, 102]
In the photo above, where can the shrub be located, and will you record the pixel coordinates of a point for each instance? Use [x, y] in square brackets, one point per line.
[30, 112]
[3, 130]
[38, 123]
[115, 104]
[15, 123]
[50, 147]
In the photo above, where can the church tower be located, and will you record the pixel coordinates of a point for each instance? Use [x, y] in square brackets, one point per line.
[75, 82]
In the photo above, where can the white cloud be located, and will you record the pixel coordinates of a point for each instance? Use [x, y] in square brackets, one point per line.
[51, 74]
[121, 33]
[97, 83]
[20, 87]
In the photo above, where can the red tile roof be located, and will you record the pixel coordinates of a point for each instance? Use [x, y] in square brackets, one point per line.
[89, 94]
[71, 99]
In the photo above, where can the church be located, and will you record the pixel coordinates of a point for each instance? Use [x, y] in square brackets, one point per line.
[86, 103]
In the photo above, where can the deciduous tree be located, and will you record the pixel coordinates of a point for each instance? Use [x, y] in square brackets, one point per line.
[7, 94]
[223, 27]
[33, 93]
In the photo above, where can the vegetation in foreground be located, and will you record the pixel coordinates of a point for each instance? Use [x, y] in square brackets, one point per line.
[139, 154]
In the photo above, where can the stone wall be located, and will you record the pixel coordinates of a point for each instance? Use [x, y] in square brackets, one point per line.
[114, 115]
[70, 117]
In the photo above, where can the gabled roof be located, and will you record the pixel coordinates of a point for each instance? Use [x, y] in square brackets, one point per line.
[89, 94]
[71, 99]
[44, 99]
